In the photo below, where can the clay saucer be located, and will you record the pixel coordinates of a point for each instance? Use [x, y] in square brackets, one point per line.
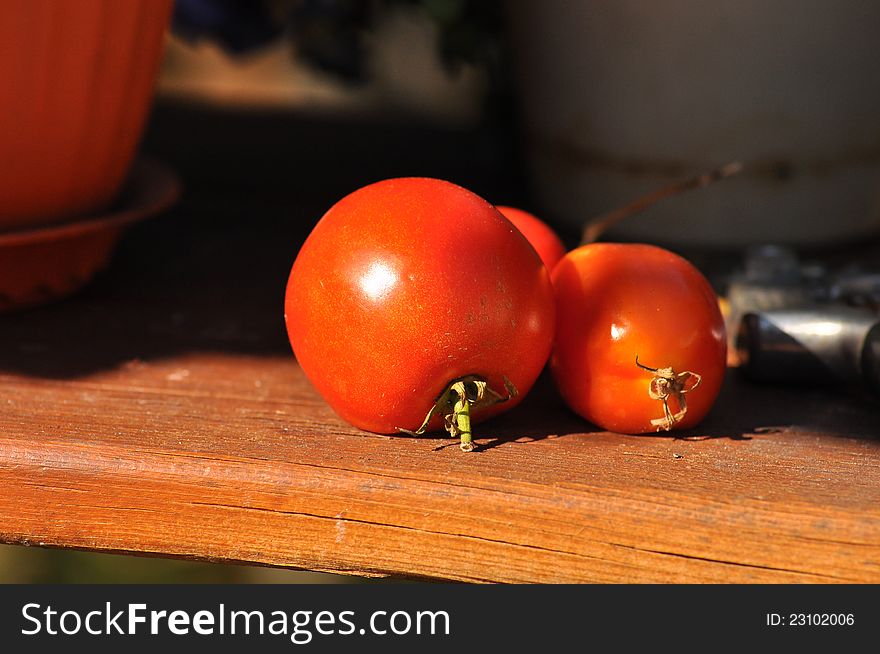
[47, 263]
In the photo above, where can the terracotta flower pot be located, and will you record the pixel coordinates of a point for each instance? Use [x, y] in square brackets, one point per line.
[76, 81]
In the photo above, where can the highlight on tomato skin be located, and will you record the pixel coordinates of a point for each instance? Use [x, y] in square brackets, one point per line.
[539, 234]
[407, 285]
[640, 341]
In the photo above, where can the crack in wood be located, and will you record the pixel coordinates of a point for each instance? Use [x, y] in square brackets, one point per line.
[53, 486]
[409, 528]
[111, 507]
[757, 566]
[527, 546]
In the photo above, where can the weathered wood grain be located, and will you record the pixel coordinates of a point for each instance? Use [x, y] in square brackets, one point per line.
[234, 458]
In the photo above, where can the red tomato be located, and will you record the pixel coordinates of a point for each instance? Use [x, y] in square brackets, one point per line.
[623, 310]
[406, 286]
[545, 241]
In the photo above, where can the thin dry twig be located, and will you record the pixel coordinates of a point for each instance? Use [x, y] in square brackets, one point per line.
[595, 228]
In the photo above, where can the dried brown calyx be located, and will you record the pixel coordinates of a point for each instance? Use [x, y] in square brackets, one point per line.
[667, 384]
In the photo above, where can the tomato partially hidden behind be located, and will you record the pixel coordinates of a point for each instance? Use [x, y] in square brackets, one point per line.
[404, 287]
[618, 302]
[545, 241]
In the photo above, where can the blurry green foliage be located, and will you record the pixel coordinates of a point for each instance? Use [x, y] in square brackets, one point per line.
[38, 565]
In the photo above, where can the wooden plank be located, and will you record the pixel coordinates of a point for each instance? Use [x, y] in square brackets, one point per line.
[234, 458]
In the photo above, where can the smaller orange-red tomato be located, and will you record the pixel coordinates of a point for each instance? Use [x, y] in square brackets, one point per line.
[538, 233]
[640, 342]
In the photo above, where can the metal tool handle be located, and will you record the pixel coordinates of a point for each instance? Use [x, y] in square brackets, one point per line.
[819, 345]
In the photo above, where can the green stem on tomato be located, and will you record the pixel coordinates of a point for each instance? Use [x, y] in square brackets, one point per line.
[461, 415]
[456, 399]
